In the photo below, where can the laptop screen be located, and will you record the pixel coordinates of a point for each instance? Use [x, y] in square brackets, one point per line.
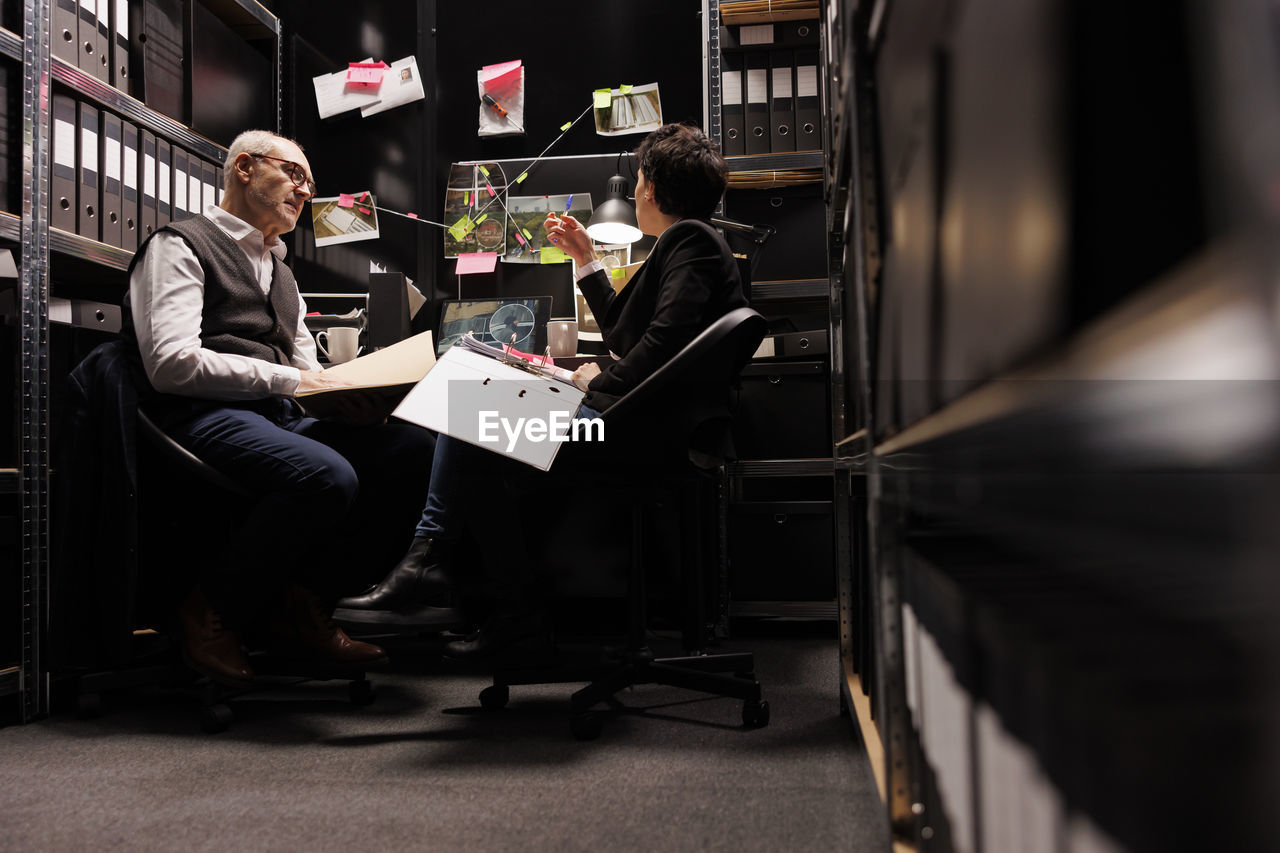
[494, 321]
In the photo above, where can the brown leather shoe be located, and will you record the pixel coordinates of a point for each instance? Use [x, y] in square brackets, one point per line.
[208, 646]
[303, 629]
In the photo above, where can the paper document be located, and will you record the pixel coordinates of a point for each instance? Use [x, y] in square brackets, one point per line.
[334, 96]
[391, 370]
[401, 84]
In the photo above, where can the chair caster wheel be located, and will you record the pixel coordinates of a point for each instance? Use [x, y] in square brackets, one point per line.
[362, 692]
[585, 726]
[215, 718]
[755, 714]
[494, 697]
[89, 705]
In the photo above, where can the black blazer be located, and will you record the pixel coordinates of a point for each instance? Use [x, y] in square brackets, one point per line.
[689, 280]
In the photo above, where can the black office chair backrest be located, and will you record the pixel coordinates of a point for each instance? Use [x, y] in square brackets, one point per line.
[711, 361]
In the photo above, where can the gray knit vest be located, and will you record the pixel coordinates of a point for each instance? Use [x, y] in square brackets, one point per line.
[237, 317]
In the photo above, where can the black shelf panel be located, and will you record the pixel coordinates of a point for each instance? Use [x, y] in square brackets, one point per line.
[809, 288]
[10, 44]
[776, 162]
[247, 17]
[782, 468]
[10, 481]
[90, 250]
[135, 110]
[10, 680]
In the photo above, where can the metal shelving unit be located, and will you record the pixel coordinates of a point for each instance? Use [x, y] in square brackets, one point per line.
[39, 243]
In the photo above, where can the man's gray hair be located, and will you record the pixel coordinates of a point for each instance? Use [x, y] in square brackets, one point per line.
[252, 142]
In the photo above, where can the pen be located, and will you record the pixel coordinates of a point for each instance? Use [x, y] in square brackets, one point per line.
[495, 106]
[568, 204]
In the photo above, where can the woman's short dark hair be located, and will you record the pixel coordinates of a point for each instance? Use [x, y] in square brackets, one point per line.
[686, 170]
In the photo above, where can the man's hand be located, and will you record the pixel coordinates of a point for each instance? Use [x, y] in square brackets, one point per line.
[583, 375]
[568, 233]
[318, 380]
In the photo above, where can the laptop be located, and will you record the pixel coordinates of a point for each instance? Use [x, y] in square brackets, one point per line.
[495, 321]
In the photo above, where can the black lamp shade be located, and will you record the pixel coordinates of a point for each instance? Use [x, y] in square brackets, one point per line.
[614, 221]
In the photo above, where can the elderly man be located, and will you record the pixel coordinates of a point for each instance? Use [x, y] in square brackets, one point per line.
[218, 325]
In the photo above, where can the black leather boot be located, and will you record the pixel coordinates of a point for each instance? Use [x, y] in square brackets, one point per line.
[416, 594]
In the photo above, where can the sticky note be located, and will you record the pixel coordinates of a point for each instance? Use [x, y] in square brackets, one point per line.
[526, 233]
[367, 75]
[461, 228]
[412, 215]
[520, 238]
[482, 218]
[366, 211]
[490, 189]
[523, 175]
[345, 200]
[617, 273]
[466, 199]
[566, 126]
[476, 262]
[365, 196]
[624, 89]
[552, 255]
[484, 171]
[603, 98]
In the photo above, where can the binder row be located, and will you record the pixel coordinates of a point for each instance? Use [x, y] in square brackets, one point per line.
[93, 35]
[116, 182]
[769, 87]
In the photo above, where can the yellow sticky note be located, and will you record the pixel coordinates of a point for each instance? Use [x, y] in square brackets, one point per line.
[459, 229]
[482, 218]
[566, 126]
[527, 235]
[617, 273]
[552, 255]
[484, 171]
[624, 89]
[523, 175]
[603, 98]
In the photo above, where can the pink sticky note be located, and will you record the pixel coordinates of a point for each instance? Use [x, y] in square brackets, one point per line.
[364, 196]
[500, 75]
[477, 262]
[365, 74]
[366, 211]
[519, 238]
[412, 215]
[490, 189]
[346, 200]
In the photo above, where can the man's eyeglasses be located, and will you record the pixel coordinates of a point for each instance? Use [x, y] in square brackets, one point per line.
[296, 173]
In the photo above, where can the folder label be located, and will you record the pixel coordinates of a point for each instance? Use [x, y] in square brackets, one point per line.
[732, 82]
[757, 85]
[89, 152]
[131, 169]
[807, 81]
[149, 175]
[782, 82]
[64, 145]
[759, 34]
[111, 153]
[163, 194]
[193, 192]
[179, 190]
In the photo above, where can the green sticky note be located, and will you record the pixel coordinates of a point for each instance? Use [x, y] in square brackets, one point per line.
[617, 273]
[482, 218]
[523, 175]
[484, 171]
[566, 126]
[603, 98]
[461, 228]
[552, 255]
[624, 89]
[527, 235]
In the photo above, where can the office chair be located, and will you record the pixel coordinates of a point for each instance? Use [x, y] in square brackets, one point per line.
[697, 382]
[172, 477]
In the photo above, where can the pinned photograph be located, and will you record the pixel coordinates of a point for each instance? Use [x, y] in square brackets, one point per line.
[628, 109]
[525, 215]
[474, 212]
[344, 218]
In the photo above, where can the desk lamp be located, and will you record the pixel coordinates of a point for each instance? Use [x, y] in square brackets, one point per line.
[614, 221]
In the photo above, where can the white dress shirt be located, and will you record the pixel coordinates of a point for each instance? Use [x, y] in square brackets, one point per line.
[166, 292]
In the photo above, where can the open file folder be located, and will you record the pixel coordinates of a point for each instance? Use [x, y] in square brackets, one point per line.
[483, 401]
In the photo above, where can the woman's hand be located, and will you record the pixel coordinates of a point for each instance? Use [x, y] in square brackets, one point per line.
[583, 375]
[568, 234]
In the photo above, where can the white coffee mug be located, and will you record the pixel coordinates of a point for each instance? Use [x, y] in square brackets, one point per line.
[339, 343]
[562, 336]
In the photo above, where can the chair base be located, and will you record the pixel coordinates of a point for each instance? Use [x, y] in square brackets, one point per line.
[729, 674]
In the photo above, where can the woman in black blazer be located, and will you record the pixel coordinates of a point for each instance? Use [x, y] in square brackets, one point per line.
[688, 281]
